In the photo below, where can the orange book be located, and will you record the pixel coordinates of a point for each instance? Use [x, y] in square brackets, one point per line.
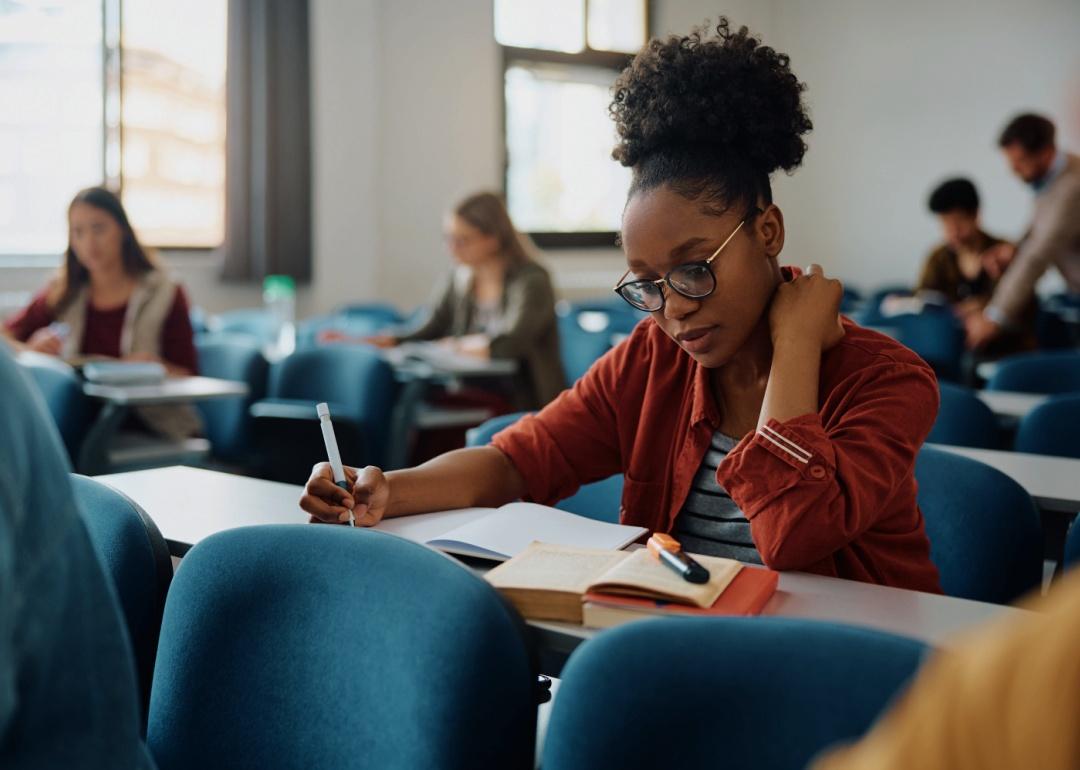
[747, 594]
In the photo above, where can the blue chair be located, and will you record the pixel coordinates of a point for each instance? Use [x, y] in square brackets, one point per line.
[382, 313]
[1051, 428]
[254, 322]
[360, 388]
[964, 420]
[136, 558]
[985, 534]
[302, 646]
[1049, 372]
[936, 336]
[226, 421]
[62, 390]
[789, 688]
[869, 314]
[1072, 545]
[599, 500]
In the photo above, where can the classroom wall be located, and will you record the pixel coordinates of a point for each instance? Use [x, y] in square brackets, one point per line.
[406, 119]
[902, 96]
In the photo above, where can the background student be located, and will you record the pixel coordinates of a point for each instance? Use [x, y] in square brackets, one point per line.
[1054, 235]
[965, 268]
[746, 417]
[67, 677]
[113, 298]
[497, 303]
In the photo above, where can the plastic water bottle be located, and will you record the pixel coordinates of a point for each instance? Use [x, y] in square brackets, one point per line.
[279, 300]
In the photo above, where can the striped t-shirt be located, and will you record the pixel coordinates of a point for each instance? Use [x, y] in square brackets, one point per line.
[710, 522]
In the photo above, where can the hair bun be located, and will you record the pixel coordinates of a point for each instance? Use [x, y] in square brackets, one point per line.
[715, 97]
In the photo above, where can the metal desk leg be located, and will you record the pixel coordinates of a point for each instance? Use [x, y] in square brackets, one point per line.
[94, 453]
[402, 422]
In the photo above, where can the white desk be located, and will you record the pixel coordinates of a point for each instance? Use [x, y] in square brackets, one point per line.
[172, 390]
[1053, 482]
[1013, 406]
[188, 504]
[95, 455]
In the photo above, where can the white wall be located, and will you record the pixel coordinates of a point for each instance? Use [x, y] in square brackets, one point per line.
[406, 119]
[903, 95]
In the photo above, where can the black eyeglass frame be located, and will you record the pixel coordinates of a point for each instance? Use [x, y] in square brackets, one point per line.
[706, 263]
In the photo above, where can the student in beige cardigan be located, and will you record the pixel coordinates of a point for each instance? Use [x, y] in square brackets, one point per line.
[115, 300]
[497, 303]
[1054, 236]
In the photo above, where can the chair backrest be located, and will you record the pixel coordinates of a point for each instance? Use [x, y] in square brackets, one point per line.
[599, 500]
[136, 558]
[382, 313]
[1072, 545]
[352, 378]
[580, 348]
[985, 535]
[62, 390]
[1051, 428]
[935, 335]
[226, 421]
[964, 420]
[302, 646]
[255, 322]
[767, 693]
[1042, 372]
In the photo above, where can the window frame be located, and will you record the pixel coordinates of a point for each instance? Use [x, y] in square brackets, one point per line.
[112, 135]
[587, 57]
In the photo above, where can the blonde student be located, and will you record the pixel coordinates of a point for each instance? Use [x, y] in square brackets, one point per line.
[498, 302]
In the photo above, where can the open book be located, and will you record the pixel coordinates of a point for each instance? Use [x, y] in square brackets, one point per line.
[500, 533]
[547, 582]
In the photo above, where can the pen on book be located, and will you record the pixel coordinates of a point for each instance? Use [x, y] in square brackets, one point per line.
[323, 410]
[670, 553]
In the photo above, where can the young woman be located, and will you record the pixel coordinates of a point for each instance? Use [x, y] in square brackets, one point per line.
[498, 303]
[112, 298]
[748, 418]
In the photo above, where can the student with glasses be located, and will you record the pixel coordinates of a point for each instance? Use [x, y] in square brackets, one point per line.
[747, 417]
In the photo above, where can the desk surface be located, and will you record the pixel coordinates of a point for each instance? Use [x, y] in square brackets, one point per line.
[427, 359]
[171, 390]
[1053, 482]
[188, 504]
[1006, 403]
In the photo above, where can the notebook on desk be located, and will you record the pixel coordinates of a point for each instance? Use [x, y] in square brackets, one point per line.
[498, 534]
[602, 587]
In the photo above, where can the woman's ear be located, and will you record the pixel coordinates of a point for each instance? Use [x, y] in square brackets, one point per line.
[769, 227]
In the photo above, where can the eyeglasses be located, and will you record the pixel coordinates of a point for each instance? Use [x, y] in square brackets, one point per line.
[694, 280]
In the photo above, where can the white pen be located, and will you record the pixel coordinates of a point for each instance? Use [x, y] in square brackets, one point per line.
[323, 410]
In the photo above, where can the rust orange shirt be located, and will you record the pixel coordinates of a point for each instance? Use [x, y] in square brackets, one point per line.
[831, 493]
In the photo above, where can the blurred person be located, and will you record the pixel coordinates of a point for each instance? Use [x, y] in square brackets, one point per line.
[1007, 698]
[498, 302]
[68, 693]
[1053, 238]
[113, 298]
[964, 270]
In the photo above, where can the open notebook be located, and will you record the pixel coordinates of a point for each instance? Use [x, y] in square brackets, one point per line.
[548, 582]
[501, 533]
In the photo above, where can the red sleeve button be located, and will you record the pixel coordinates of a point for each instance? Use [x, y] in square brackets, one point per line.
[817, 471]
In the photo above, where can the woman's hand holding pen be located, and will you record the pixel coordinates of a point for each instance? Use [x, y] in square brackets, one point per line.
[328, 503]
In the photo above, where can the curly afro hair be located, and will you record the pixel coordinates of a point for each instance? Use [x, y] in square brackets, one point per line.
[711, 117]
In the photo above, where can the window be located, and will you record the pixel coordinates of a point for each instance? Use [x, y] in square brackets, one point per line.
[561, 58]
[127, 93]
